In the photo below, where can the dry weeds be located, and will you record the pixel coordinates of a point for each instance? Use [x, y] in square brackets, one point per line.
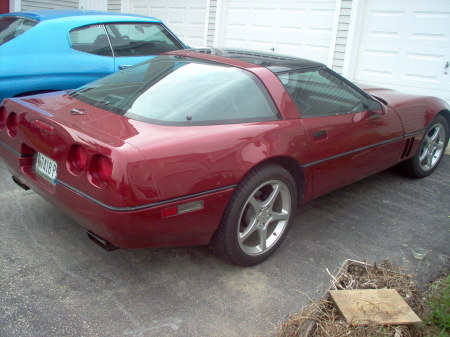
[322, 319]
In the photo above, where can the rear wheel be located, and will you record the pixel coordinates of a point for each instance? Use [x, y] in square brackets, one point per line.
[431, 150]
[257, 217]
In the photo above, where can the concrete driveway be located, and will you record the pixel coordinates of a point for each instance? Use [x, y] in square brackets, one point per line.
[55, 282]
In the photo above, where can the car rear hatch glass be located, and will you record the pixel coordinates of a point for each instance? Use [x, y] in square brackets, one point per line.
[13, 26]
[177, 90]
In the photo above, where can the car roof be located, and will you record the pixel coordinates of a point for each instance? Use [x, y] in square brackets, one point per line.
[52, 14]
[277, 63]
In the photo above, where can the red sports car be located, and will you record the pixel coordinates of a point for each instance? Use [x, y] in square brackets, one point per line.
[212, 146]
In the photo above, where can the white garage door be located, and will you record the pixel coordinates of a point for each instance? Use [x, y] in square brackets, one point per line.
[406, 46]
[186, 18]
[295, 27]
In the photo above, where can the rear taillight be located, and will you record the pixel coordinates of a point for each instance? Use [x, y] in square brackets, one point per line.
[100, 171]
[2, 117]
[98, 168]
[11, 124]
[77, 160]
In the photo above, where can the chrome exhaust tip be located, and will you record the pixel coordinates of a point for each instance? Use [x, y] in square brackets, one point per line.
[19, 183]
[105, 244]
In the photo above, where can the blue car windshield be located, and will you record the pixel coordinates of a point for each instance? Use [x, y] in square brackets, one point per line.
[12, 26]
[179, 90]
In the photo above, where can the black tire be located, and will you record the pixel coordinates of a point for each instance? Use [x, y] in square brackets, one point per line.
[263, 202]
[430, 151]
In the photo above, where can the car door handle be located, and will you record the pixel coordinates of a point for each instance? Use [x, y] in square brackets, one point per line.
[446, 68]
[125, 66]
[321, 134]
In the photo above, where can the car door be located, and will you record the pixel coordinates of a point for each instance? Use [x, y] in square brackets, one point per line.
[349, 134]
[136, 42]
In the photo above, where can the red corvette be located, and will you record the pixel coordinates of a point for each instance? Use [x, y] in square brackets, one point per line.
[212, 146]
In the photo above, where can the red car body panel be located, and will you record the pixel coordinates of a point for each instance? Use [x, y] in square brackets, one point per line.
[158, 167]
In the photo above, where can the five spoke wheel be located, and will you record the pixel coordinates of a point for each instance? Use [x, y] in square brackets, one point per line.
[264, 217]
[430, 151]
[258, 215]
[432, 147]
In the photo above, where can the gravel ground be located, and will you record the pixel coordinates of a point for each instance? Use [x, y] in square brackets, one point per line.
[55, 282]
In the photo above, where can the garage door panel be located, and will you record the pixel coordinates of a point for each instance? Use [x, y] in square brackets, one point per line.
[432, 28]
[292, 19]
[237, 16]
[315, 52]
[261, 45]
[382, 24]
[425, 24]
[238, 43]
[292, 27]
[157, 12]
[262, 17]
[369, 65]
[176, 16]
[142, 10]
[321, 21]
[418, 66]
[186, 18]
[197, 16]
[405, 46]
[424, 67]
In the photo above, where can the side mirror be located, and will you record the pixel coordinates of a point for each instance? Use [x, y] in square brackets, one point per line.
[376, 107]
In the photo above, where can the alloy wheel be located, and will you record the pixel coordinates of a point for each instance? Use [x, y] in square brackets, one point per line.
[264, 217]
[432, 147]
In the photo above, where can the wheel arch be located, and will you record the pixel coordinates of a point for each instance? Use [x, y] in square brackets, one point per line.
[446, 115]
[294, 168]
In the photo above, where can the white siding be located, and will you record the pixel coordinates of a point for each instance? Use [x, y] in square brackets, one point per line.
[96, 5]
[211, 23]
[114, 5]
[342, 35]
[27, 5]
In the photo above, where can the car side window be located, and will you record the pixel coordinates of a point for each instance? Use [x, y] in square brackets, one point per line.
[12, 27]
[140, 39]
[91, 39]
[318, 92]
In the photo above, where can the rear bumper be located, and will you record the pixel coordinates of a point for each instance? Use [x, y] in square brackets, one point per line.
[127, 227]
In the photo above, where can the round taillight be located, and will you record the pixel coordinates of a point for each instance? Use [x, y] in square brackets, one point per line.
[11, 124]
[77, 160]
[2, 117]
[104, 168]
[100, 171]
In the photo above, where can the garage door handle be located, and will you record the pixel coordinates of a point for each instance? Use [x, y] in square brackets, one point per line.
[446, 68]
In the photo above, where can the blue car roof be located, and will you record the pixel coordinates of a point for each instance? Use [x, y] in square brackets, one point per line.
[51, 14]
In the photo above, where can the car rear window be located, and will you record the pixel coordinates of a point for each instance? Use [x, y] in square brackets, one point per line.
[139, 39]
[11, 27]
[123, 39]
[178, 90]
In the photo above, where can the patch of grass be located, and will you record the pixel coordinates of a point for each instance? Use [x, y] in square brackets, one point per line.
[437, 308]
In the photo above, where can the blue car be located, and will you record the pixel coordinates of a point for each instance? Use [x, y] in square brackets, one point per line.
[51, 50]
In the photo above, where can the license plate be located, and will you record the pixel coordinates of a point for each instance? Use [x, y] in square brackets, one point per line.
[46, 168]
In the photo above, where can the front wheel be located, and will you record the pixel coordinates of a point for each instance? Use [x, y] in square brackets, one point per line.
[431, 149]
[257, 217]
